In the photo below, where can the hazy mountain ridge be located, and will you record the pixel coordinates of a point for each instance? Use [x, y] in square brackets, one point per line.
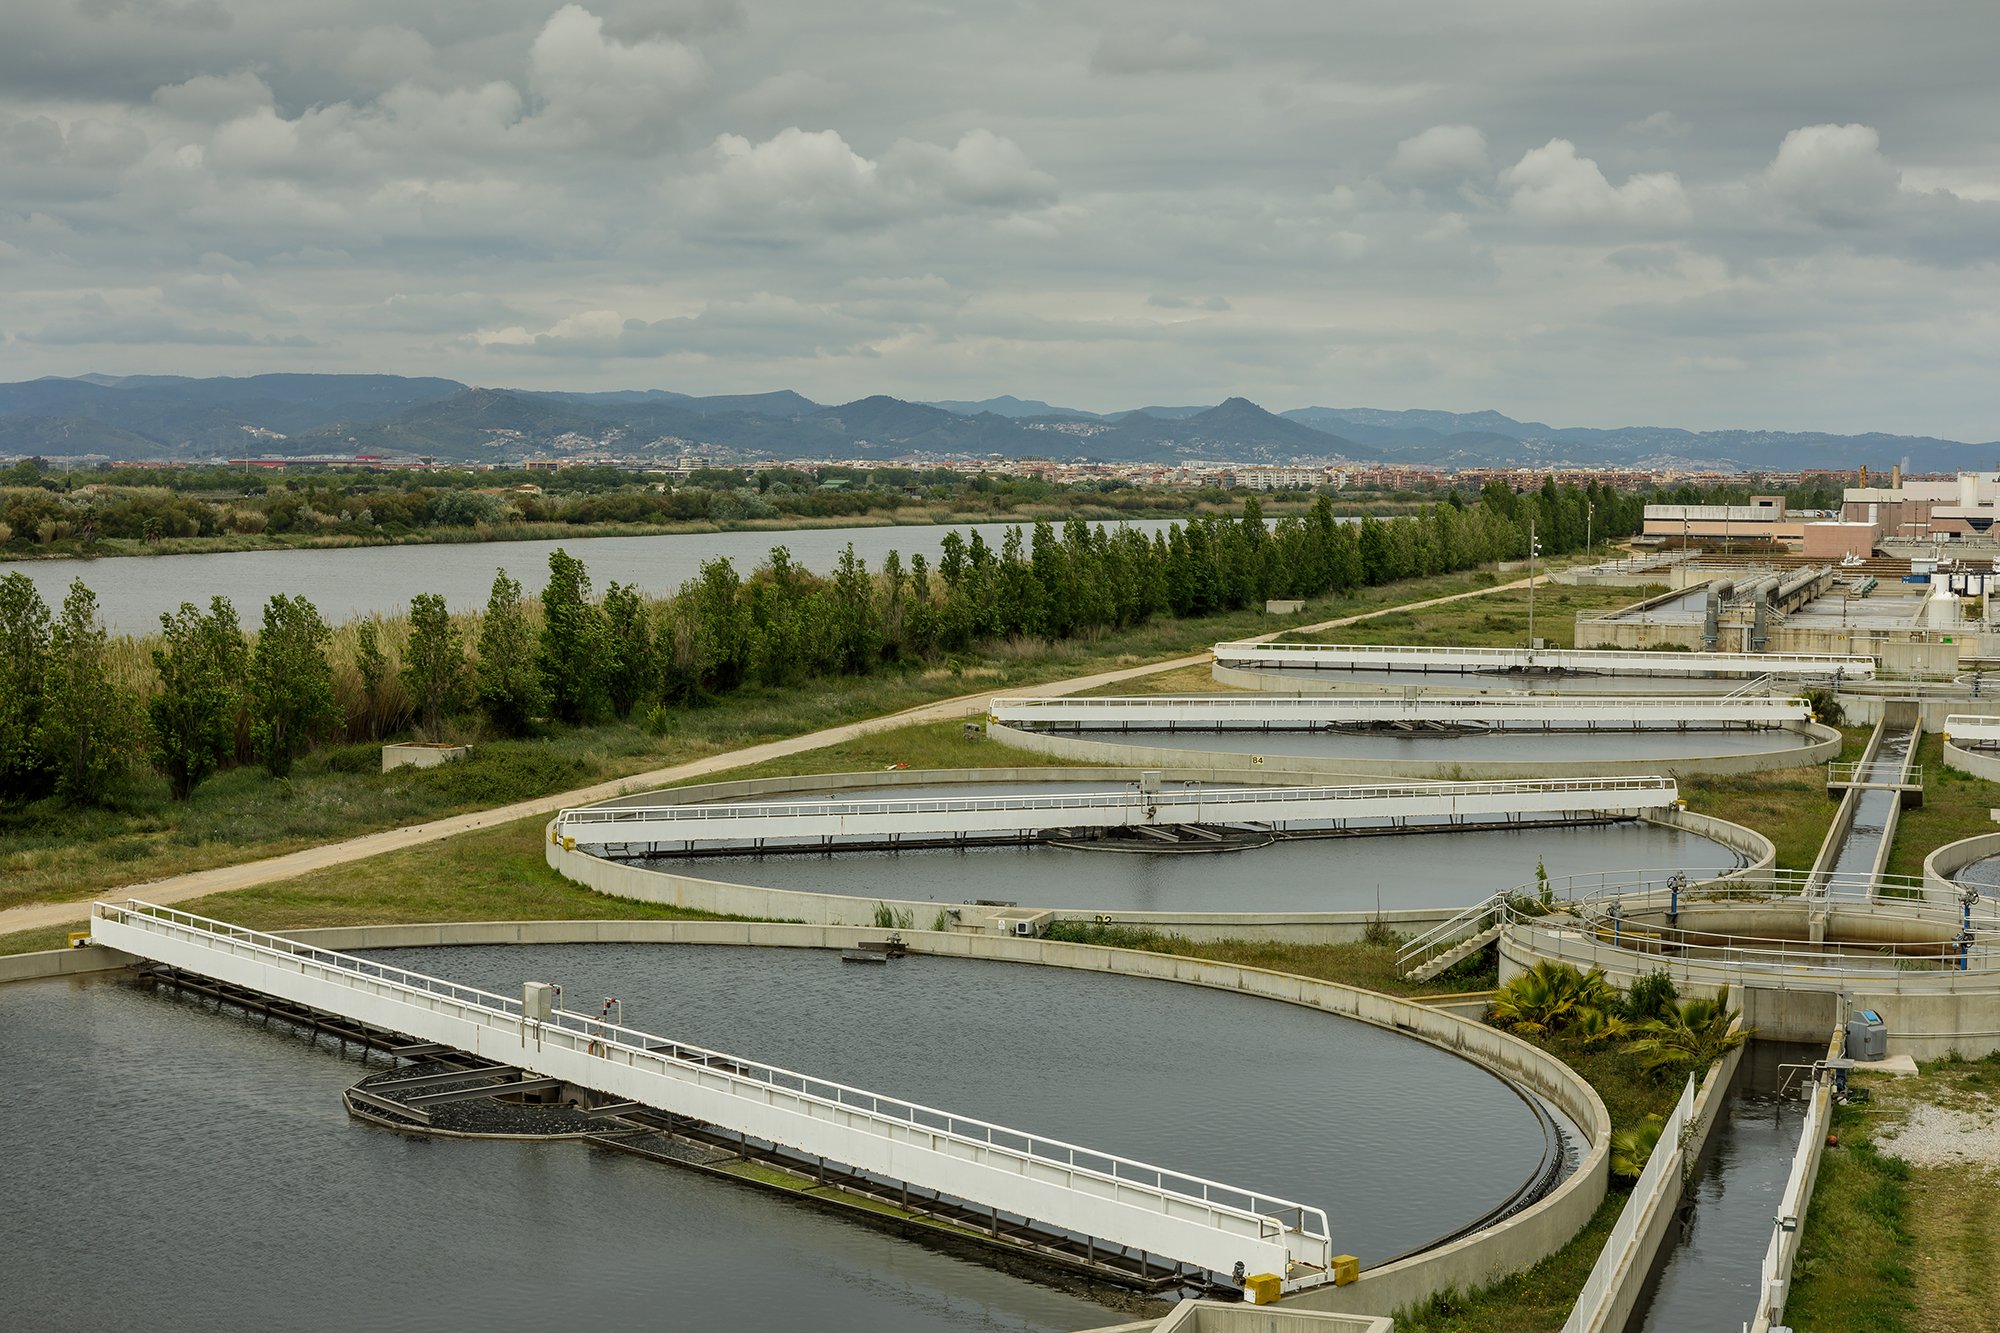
[172, 417]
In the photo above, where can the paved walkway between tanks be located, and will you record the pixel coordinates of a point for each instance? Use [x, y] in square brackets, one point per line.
[221, 879]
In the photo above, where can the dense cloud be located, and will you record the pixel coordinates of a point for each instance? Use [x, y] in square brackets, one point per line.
[1598, 215]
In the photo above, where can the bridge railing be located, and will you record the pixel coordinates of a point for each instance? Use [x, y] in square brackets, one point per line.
[1222, 1207]
[1259, 708]
[1610, 661]
[1210, 799]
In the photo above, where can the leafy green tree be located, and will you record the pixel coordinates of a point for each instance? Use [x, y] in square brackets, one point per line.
[291, 683]
[628, 644]
[510, 683]
[433, 663]
[857, 623]
[572, 647]
[90, 722]
[24, 666]
[372, 665]
[193, 713]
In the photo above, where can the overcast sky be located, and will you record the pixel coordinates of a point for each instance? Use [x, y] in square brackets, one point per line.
[1688, 212]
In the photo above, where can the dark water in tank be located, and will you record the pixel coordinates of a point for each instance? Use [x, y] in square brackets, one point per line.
[1984, 875]
[218, 1182]
[1349, 874]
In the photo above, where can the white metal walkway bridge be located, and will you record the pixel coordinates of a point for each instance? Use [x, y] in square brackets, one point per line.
[1972, 730]
[1603, 662]
[781, 822]
[1202, 1223]
[1271, 712]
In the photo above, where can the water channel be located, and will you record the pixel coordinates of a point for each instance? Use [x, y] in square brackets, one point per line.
[348, 582]
[1708, 1279]
[222, 1180]
[1874, 807]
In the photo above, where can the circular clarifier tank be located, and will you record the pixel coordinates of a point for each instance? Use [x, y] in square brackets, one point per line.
[1452, 867]
[234, 1123]
[1367, 868]
[1360, 680]
[1470, 752]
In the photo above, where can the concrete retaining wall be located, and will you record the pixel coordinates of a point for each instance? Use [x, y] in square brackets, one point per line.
[1820, 744]
[1516, 1243]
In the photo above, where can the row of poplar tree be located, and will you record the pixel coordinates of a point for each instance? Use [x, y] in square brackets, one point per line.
[69, 726]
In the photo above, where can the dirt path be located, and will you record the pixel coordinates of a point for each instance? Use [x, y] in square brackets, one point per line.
[221, 879]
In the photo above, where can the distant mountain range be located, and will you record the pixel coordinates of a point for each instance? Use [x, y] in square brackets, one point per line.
[169, 417]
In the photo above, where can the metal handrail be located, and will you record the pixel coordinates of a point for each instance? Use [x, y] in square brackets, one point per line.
[1879, 772]
[1690, 663]
[1446, 935]
[1982, 960]
[1103, 800]
[398, 977]
[635, 1047]
[1614, 895]
[1729, 704]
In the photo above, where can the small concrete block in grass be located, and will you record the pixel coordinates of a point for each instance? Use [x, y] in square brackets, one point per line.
[421, 754]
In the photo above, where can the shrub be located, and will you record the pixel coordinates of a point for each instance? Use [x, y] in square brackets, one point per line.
[1651, 996]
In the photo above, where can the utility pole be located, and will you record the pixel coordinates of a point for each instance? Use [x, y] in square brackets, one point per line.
[1534, 549]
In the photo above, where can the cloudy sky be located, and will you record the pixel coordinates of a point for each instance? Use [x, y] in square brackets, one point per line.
[1688, 212]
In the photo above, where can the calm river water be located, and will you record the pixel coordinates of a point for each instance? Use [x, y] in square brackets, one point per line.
[169, 1166]
[134, 591]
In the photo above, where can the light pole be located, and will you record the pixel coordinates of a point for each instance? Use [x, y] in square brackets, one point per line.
[1534, 549]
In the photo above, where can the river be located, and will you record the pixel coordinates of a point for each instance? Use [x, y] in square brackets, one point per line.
[350, 582]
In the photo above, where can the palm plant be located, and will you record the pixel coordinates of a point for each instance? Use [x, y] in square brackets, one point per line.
[1549, 996]
[1632, 1146]
[1592, 1025]
[1694, 1033]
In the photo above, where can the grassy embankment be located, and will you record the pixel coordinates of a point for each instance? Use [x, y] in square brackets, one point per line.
[50, 852]
[1891, 1247]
